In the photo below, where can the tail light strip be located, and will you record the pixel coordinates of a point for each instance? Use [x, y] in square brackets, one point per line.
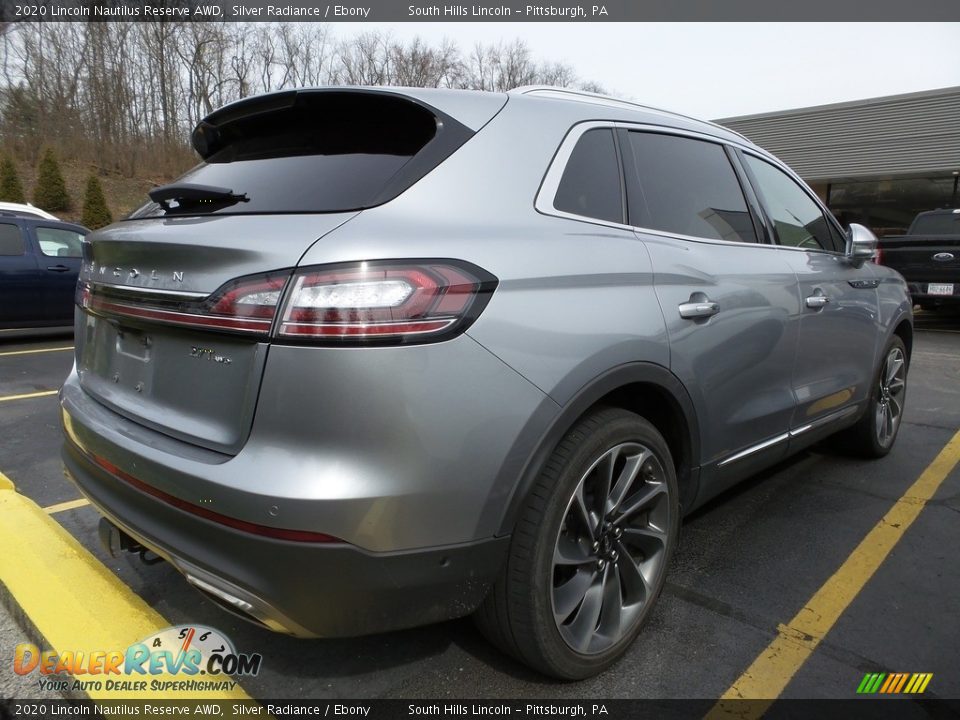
[102, 305]
[330, 330]
[377, 301]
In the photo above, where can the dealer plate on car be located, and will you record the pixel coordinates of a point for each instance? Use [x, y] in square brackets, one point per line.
[940, 289]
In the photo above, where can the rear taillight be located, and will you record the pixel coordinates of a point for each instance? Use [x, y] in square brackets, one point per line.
[376, 301]
[246, 305]
[877, 256]
[383, 301]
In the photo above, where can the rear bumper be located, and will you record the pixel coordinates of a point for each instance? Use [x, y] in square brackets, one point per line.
[304, 589]
[406, 456]
[387, 449]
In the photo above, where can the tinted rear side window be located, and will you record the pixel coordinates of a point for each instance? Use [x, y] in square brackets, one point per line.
[590, 185]
[686, 186]
[322, 152]
[11, 240]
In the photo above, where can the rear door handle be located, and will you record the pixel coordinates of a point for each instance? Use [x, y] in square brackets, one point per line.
[694, 310]
[57, 268]
[817, 301]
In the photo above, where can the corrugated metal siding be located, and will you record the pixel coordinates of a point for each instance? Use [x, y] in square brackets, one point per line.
[898, 135]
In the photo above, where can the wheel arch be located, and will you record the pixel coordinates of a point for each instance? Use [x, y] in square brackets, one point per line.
[647, 389]
[904, 330]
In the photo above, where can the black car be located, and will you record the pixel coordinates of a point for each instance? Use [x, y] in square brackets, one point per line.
[39, 263]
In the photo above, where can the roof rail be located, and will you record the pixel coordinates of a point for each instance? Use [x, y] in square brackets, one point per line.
[599, 99]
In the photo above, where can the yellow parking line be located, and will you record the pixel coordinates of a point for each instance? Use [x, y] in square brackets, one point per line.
[34, 352]
[69, 505]
[769, 674]
[27, 396]
[75, 603]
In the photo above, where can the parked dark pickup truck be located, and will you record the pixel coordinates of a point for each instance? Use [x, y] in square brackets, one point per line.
[39, 263]
[928, 256]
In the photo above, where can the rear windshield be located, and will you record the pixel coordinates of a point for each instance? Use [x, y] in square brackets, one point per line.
[937, 224]
[326, 152]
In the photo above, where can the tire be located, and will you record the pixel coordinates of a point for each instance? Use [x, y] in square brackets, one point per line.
[600, 575]
[876, 431]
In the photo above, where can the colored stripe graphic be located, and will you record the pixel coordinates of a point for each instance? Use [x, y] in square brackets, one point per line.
[894, 683]
[891, 680]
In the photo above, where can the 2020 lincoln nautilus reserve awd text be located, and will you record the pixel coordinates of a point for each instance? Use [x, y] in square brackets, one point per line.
[388, 357]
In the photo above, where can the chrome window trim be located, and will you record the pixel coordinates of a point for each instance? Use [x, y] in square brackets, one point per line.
[543, 203]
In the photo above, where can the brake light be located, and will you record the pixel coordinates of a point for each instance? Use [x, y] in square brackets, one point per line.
[377, 301]
[877, 256]
[384, 301]
[246, 305]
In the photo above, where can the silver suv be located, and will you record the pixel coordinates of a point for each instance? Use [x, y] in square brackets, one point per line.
[388, 357]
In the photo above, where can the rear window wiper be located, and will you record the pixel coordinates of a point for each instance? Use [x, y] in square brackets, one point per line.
[191, 197]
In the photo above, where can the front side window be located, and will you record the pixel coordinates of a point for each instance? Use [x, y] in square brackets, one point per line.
[797, 219]
[11, 240]
[688, 187]
[590, 185]
[55, 242]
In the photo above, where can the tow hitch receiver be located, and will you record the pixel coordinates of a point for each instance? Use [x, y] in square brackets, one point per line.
[116, 541]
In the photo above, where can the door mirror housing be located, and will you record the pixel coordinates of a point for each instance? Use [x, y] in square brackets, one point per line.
[861, 243]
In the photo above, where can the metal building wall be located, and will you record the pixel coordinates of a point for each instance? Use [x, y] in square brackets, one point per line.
[899, 135]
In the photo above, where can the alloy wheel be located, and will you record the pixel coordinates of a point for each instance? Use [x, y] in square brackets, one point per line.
[890, 391]
[611, 548]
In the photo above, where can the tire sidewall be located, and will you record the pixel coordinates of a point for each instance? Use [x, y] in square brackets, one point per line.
[621, 427]
[871, 416]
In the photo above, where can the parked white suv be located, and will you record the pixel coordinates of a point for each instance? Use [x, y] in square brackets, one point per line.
[26, 210]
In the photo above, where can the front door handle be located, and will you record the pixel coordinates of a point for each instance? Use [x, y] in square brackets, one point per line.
[702, 309]
[817, 301]
[57, 268]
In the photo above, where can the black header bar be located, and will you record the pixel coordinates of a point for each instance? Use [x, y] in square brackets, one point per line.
[477, 11]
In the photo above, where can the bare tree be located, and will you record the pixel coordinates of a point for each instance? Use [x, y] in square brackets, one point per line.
[304, 55]
[364, 60]
[417, 64]
[124, 96]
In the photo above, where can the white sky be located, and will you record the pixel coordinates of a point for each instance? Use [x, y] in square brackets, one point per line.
[716, 70]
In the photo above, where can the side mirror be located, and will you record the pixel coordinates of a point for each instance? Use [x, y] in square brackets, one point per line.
[861, 243]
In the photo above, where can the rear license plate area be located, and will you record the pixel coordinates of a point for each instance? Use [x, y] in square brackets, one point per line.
[126, 366]
[940, 289]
